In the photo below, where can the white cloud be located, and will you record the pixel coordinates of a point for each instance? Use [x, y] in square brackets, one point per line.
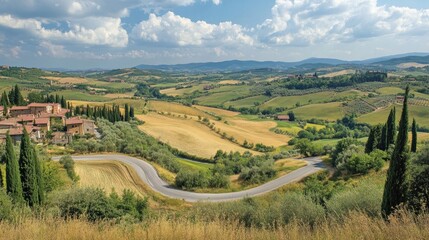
[92, 30]
[303, 22]
[176, 30]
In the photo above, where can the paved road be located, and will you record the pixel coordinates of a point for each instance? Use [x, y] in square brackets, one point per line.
[149, 175]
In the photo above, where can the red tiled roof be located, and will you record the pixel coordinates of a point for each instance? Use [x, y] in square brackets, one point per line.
[42, 104]
[41, 121]
[19, 108]
[25, 118]
[283, 117]
[71, 121]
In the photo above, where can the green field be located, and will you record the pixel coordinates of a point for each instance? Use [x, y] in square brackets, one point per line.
[192, 165]
[223, 94]
[420, 113]
[247, 102]
[77, 95]
[326, 111]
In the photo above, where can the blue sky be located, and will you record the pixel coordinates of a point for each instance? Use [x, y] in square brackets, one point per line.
[78, 34]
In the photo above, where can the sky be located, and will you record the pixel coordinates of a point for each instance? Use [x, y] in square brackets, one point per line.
[84, 34]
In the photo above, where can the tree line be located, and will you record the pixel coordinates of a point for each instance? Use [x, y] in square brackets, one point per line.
[112, 114]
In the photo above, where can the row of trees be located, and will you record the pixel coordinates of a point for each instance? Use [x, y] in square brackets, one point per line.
[24, 181]
[113, 114]
[13, 97]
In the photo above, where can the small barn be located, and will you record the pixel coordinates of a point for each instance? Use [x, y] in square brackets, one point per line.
[282, 118]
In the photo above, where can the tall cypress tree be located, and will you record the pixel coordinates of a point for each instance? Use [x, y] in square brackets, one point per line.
[131, 112]
[373, 139]
[39, 178]
[382, 144]
[395, 188]
[11, 96]
[63, 102]
[13, 177]
[391, 128]
[27, 169]
[127, 113]
[414, 136]
[18, 98]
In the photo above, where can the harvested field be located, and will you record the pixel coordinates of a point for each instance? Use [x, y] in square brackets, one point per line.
[110, 175]
[67, 80]
[186, 135]
[217, 111]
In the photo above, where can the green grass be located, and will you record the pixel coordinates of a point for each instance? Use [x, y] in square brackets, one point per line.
[77, 95]
[223, 94]
[325, 111]
[319, 97]
[247, 102]
[420, 113]
[194, 165]
[333, 142]
[390, 90]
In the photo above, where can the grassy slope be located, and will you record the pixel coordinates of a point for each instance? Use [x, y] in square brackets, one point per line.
[421, 114]
[327, 111]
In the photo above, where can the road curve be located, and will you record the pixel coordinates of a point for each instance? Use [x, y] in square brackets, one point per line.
[150, 176]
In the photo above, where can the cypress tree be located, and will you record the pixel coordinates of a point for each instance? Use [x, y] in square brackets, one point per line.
[127, 113]
[63, 102]
[373, 139]
[13, 177]
[12, 97]
[414, 137]
[131, 112]
[395, 187]
[382, 144]
[27, 169]
[391, 128]
[5, 110]
[18, 98]
[39, 178]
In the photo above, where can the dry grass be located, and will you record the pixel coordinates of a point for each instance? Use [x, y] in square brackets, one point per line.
[354, 226]
[187, 135]
[67, 80]
[339, 73]
[229, 82]
[120, 95]
[253, 131]
[217, 111]
[176, 108]
[412, 64]
[110, 175]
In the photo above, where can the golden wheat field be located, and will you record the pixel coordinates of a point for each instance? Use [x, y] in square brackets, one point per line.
[217, 111]
[353, 226]
[186, 134]
[67, 80]
[229, 82]
[176, 108]
[110, 175]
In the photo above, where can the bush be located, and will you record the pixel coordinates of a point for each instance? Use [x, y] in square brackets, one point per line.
[257, 174]
[191, 180]
[297, 206]
[95, 205]
[219, 180]
[308, 149]
[363, 163]
[68, 164]
[364, 198]
[5, 206]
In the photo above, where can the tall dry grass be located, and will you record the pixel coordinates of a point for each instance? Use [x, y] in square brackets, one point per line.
[354, 226]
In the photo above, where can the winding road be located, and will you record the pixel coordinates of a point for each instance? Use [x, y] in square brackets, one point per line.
[150, 176]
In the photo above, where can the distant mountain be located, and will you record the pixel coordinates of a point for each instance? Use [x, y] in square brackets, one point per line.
[311, 63]
[402, 60]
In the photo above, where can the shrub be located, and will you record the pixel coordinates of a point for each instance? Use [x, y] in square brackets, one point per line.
[95, 205]
[363, 163]
[191, 180]
[297, 206]
[5, 206]
[68, 164]
[364, 198]
[257, 174]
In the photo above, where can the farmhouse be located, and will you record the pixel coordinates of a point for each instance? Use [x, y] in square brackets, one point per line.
[78, 126]
[282, 117]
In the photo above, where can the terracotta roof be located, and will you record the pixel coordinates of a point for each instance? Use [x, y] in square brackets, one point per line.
[71, 121]
[19, 108]
[19, 131]
[41, 121]
[42, 104]
[8, 122]
[283, 117]
[25, 118]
